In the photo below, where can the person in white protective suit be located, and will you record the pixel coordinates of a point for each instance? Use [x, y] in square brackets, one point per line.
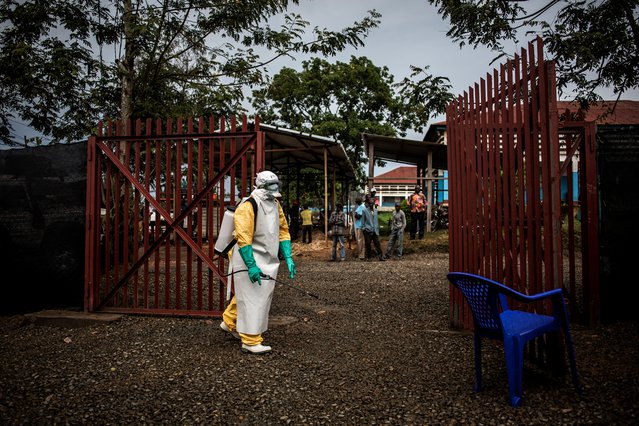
[260, 235]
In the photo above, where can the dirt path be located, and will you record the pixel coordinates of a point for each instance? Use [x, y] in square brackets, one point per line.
[376, 348]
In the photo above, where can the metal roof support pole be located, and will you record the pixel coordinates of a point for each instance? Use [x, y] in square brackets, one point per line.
[371, 165]
[297, 182]
[288, 183]
[326, 196]
[346, 191]
[429, 189]
[91, 235]
[334, 199]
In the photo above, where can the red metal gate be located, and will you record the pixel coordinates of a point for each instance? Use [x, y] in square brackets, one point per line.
[155, 196]
[506, 159]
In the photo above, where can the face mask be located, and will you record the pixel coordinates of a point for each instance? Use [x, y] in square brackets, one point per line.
[272, 188]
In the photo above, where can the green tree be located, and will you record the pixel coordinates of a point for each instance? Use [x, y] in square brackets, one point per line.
[595, 43]
[343, 100]
[66, 63]
[47, 66]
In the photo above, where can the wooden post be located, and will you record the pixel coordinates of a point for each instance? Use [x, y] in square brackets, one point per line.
[429, 190]
[297, 182]
[334, 201]
[325, 195]
[371, 166]
[288, 183]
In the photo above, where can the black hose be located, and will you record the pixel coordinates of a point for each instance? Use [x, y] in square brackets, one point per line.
[268, 277]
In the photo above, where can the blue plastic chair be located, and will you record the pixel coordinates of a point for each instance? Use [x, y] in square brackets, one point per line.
[493, 319]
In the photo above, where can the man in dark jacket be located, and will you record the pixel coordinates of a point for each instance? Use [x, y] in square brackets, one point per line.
[337, 222]
[370, 226]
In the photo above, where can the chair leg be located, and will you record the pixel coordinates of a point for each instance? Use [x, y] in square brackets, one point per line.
[514, 353]
[477, 345]
[572, 359]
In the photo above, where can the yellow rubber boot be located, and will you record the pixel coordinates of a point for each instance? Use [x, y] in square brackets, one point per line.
[250, 342]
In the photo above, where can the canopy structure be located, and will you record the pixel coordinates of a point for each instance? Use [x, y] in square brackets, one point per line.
[287, 149]
[428, 156]
[407, 151]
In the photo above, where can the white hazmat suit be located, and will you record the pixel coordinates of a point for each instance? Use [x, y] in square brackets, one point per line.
[260, 236]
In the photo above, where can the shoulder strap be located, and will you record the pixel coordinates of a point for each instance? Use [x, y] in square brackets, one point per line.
[254, 204]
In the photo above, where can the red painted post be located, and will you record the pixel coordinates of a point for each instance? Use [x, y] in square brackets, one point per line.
[158, 219]
[555, 174]
[178, 211]
[210, 212]
[572, 273]
[483, 153]
[232, 151]
[136, 211]
[244, 175]
[537, 212]
[147, 207]
[590, 214]
[90, 226]
[202, 209]
[189, 220]
[521, 174]
[491, 179]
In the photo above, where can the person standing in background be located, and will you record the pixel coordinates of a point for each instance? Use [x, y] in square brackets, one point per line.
[294, 218]
[370, 227]
[307, 225]
[417, 203]
[359, 234]
[398, 223]
[337, 222]
[373, 195]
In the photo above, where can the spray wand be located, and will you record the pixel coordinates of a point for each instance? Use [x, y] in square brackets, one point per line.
[268, 277]
[308, 293]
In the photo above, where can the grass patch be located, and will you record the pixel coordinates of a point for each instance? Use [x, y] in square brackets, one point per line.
[433, 242]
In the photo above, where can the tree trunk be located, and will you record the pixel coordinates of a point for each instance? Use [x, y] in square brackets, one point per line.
[126, 65]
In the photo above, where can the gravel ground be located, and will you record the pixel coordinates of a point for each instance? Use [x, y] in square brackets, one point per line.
[376, 348]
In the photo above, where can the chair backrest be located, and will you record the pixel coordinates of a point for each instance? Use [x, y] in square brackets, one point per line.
[482, 298]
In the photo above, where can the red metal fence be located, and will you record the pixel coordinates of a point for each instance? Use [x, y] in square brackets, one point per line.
[155, 196]
[508, 152]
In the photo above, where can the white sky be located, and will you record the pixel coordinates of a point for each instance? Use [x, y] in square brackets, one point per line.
[411, 33]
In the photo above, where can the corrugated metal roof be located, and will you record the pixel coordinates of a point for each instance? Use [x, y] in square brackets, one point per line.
[406, 151]
[401, 174]
[625, 112]
[287, 148]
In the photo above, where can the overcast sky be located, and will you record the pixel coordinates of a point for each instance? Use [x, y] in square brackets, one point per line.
[412, 33]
